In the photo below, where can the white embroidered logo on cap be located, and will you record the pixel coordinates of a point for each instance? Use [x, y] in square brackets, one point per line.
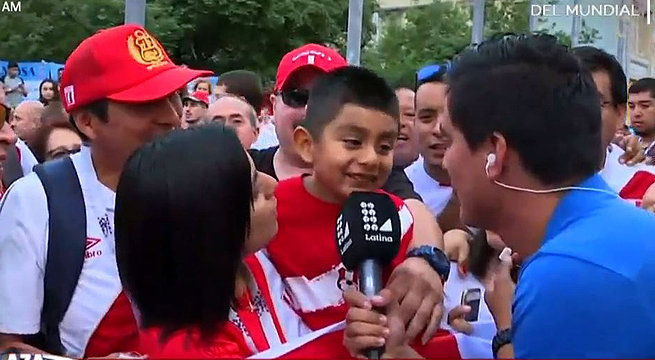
[310, 59]
[69, 93]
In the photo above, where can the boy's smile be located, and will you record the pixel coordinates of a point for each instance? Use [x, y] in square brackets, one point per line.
[354, 153]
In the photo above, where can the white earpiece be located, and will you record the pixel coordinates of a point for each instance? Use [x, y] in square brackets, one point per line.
[491, 160]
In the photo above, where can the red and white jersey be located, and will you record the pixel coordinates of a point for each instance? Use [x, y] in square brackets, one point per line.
[327, 343]
[262, 320]
[99, 320]
[305, 253]
[631, 182]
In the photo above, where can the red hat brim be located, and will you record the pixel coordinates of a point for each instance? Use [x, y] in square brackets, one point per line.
[160, 85]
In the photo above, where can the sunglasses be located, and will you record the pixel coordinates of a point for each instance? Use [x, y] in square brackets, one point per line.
[295, 98]
[430, 71]
[4, 114]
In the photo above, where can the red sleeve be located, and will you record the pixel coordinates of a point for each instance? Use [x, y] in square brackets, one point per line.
[407, 233]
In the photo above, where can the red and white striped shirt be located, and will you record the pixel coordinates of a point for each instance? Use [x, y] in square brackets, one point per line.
[305, 253]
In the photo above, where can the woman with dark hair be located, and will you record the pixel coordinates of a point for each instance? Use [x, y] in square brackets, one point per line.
[48, 91]
[56, 139]
[189, 207]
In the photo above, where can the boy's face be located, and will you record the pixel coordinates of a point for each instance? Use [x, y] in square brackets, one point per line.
[354, 153]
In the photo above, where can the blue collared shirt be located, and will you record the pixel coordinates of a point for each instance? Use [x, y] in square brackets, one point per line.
[589, 291]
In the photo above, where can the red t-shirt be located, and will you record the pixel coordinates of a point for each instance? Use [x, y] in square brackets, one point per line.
[305, 253]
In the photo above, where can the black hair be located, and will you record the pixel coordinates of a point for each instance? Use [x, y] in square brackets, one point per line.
[535, 93]
[43, 100]
[244, 83]
[595, 59]
[480, 255]
[643, 84]
[99, 108]
[347, 85]
[12, 64]
[181, 224]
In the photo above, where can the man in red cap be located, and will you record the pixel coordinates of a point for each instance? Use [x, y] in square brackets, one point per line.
[297, 72]
[121, 90]
[195, 108]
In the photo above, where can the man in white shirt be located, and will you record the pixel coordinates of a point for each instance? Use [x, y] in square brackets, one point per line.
[429, 178]
[630, 182]
[121, 90]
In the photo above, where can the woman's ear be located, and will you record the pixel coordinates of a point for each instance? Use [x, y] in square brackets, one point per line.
[303, 144]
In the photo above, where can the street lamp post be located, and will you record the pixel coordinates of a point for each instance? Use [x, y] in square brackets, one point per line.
[355, 13]
[135, 12]
[477, 33]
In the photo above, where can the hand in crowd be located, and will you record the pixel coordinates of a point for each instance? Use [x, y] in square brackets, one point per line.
[648, 202]
[419, 291]
[456, 247]
[457, 319]
[499, 293]
[366, 328]
[634, 153]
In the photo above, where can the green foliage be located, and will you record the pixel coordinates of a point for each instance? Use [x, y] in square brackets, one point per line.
[415, 39]
[218, 35]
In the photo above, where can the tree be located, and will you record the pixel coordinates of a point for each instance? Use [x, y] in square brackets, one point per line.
[415, 39]
[217, 35]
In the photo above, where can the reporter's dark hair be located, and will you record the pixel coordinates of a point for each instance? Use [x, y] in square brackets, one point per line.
[181, 224]
[347, 85]
[642, 85]
[244, 83]
[535, 93]
[595, 59]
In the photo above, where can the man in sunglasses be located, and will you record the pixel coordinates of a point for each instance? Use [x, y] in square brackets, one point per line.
[297, 72]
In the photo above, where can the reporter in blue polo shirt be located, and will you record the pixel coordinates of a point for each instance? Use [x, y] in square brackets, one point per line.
[525, 130]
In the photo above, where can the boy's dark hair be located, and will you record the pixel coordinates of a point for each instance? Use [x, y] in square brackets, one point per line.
[244, 83]
[643, 84]
[179, 245]
[535, 93]
[595, 59]
[347, 85]
[12, 64]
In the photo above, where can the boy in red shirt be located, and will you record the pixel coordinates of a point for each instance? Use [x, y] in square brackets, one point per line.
[348, 136]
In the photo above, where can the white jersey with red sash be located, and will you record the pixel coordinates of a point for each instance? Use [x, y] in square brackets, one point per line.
[99, 320]
[631, 182]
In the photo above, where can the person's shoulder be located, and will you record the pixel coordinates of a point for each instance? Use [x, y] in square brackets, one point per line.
[26, 192]
[263, 160]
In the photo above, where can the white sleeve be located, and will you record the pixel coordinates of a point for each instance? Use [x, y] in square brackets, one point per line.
[23, 240]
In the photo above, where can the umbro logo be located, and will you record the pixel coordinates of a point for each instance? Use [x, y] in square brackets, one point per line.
[90, 243]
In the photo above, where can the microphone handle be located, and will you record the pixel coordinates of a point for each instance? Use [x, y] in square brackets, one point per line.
[370, 284]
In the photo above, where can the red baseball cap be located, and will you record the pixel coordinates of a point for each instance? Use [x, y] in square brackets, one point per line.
[199, 96]
[123, 63]
[313, 55]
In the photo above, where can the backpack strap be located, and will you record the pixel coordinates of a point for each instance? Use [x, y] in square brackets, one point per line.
[12, 169]
[66, 245]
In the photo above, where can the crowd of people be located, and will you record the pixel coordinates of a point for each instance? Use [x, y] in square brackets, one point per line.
[146, 212]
